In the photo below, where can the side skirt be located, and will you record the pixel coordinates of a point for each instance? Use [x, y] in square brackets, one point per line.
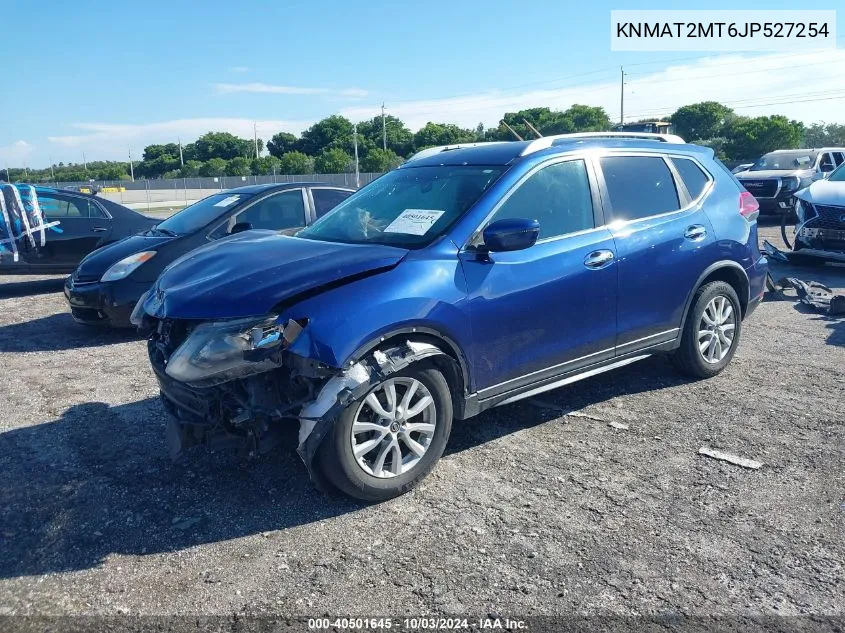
[475, 405]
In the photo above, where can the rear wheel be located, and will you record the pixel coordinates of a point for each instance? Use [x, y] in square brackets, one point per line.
[711, 332]
[387, 441]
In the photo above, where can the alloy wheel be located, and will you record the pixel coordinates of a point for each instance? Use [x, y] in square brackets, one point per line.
[393, 427]
[716, 330]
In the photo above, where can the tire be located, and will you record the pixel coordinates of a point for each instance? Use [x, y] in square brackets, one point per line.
[349, 473]
[689, 358]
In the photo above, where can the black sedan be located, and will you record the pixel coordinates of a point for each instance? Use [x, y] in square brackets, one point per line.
[71, 225]
[105, 287]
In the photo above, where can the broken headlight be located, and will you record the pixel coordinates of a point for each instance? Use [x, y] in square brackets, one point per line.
[225, 350]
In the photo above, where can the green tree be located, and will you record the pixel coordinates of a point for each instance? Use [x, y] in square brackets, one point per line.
[265, 165]
[282, 143]
[824, 135]
[332, 161]
[157, 167]
[586, 118]
[334, 132]
[371, 135]
[151, 152]
[377, 160]
[442, 134]
[191, 169]
[752, 137]
[296, 163]
[220, 145]
[702, 120]
[213, 167]
[239, 166]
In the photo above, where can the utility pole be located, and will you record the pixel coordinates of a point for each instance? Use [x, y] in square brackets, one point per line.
[622, 97]
[383, 128]
[355, 142]
[52, 174]
[255, 136]
[8, 174]
[132, 168]
[85, 165]
[181, 159]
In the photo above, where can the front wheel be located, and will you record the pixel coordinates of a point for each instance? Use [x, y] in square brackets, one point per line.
[387, 441]
[711, 331]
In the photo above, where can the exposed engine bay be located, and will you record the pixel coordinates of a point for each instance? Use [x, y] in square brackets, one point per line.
[248, 411]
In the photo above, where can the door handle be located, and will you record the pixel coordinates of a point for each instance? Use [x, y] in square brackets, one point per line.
[99, 229]
[598, 259]
[695, 233]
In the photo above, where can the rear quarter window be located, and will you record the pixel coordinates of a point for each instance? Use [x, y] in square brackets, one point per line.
[695, 180]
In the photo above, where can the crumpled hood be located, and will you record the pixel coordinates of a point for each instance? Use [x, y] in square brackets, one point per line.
[824, 192]
[774, 173]
[249, 273]
[98, 262]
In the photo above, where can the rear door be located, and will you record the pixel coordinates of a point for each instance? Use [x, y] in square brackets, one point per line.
[78, 226]
[662, 237]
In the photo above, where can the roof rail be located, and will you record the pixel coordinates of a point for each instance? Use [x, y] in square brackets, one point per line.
[547, 141]
[431, 151]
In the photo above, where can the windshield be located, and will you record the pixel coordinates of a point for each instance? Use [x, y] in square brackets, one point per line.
[194, 217]
[799, 159]
[408, 207]
[838, 174]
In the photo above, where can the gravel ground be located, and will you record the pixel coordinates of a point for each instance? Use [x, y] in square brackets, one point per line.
[532, 510]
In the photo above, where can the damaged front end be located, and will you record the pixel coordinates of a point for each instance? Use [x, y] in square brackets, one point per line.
[236, 383]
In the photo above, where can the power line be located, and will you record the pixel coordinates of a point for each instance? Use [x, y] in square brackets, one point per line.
[742, 107]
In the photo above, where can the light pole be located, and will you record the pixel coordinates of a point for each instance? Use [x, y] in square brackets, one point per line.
[383, 128]
[355, 142]
[131, 166]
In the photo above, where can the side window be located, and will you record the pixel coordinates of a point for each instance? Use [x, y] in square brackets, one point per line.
[94, 211]
[839, 157]
[55, 205]
[284, 210]
[327, 199]
[694, 178]
[826, 162]
[639, 186]
[557, 196]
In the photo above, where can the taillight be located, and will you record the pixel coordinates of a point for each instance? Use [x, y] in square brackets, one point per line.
[749, 208]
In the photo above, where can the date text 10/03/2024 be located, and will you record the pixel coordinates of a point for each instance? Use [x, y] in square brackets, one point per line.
[416, 624]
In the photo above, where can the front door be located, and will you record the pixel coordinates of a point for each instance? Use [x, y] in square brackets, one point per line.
[550, 308]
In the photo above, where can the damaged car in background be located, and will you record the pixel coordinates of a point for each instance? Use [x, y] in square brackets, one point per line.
[775, 177]
[820, 209]
[465, 279]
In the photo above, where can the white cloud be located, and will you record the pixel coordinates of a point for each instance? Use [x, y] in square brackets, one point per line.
[258, 87]
[15, 154]
[112, 141]
[752, 85]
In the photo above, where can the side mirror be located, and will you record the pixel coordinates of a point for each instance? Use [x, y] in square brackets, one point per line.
[512, 234]
[240, 227]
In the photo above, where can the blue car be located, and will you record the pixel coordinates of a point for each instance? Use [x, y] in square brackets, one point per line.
[468, 278]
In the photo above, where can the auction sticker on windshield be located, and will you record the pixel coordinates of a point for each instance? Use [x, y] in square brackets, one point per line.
[227, 202]
[414, 221]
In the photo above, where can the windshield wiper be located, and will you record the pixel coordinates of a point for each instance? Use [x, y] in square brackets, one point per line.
[161, 231]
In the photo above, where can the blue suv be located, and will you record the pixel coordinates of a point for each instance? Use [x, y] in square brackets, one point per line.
[468, 278]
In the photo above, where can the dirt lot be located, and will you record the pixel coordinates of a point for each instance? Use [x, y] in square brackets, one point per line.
[532, 511]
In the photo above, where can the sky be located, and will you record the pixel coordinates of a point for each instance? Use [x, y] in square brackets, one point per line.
[106, 78]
